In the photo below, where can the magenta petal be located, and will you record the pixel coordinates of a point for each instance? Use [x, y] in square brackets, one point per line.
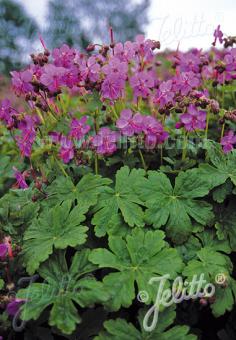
[178, 125]
[83, 120]
[201, 116]
[128, 131]
[189, 127]
[126, 114]
[14, 306]
[151, 141]
[138, 119]
[3, 249]
[227, 148]
[97, 140]
[186, 118]
[121, 123]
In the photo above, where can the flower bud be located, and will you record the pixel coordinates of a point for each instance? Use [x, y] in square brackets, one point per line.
[90, 48]
[203, 302]
[46, 52]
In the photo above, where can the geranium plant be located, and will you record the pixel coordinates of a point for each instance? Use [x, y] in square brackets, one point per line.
[119, 167]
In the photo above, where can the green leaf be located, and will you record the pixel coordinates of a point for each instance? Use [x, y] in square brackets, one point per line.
[188, 249]
[222, 165]
[120, 329]
[137, 258]
[227, 88]
[213, 263]
[85, 192]
[225, 225]
[63, 314]
[225, 298]
[174, 207]
[17, 209]
[9, 157]
[121, 199]
[206, 239]
[210, 263]
[115, 226]
[209, 240]
[221, 192]
[61, 288]
[58, 227]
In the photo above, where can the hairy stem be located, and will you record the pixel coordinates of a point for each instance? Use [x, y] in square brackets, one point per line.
[207, 123]
[142, 160]
[61, 167]
[222, 131]
[185, 144]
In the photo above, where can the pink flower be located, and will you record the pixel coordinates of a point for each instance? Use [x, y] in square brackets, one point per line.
[141, 83]
[70, 77]
[66, 152]
[28, 134]
[164, 94]
[230, 61]
[189, 61]
[7, 113]
[79, 128]
[64, 56]
[116, 67]
[20, 178]
[8, 242]
[124, 52]
[3, 250]
[218, 35]
[29, 122]
[6, 248]
[105, 141]
[113, 87]
[194, 119]
[14, 306]
[185, 82]
[144, 48]
[228, 141]
[25, 142]
[129, 124]
[52, 77]
[21, 81]
[154, 132]
[55, 136]
[93, 69]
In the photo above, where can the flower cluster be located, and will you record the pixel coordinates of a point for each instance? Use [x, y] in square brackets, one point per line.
[105, 141]
[78, 130]
[152, 129]
[138, 100]
[193, 119]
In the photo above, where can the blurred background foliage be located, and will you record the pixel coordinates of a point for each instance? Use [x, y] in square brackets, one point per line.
[74, 22]
[17, 31]
[79, 22]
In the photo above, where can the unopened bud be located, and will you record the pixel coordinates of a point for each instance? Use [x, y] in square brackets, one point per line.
[156, 44]
[203, 302]
[46, 52]
[90, 48]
